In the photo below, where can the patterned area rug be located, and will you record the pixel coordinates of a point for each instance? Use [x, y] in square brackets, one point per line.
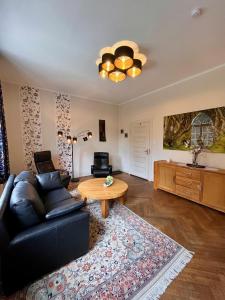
[128, 259]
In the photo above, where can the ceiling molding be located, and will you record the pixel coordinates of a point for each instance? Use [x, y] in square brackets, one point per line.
[127, 101]
[173, 84]
[57, 91]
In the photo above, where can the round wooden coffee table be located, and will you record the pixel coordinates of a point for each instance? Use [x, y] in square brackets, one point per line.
[94, 189]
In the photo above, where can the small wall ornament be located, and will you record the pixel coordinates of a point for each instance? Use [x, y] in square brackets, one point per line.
[102, 135]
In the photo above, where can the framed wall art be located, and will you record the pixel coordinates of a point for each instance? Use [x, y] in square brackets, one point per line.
[183, 131]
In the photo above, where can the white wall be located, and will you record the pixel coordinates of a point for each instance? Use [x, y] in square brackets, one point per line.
[84, 114]
[202, 92]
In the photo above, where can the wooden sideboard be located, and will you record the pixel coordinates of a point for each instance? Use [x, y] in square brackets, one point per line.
[205, 186]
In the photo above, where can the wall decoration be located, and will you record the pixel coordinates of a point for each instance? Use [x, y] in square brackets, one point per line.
[31, 124]
[184, 131]
[102, 136]
[121, 131]
[126, 135]
[63, 124]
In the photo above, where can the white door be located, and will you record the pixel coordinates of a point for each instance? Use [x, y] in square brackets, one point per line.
[140, 149]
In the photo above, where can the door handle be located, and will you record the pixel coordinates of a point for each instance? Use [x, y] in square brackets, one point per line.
[147, 151]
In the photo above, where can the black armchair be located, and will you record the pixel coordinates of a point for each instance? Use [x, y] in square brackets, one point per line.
[44, 164]
[101, 167]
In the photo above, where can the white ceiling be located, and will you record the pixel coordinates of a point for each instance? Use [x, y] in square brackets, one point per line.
[53, 44]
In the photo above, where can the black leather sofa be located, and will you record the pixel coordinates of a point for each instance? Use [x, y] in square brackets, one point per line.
[101, 166]
[42, 228]
[44, 164]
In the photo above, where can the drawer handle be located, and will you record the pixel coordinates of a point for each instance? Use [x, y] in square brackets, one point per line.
[184, 173]
[174, 179]
[199, 187]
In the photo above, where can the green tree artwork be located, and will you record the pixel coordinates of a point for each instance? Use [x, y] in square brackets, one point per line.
[184, 131]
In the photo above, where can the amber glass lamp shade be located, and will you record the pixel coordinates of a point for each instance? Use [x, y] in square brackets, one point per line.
[103, 73]
[136, 69]
[117, 75]
[108, 62]
[124, 57]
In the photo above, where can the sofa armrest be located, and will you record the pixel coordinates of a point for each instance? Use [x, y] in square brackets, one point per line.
[92, 169]
[44, 248]
[64, 207]
[49, 228]
[62, 171]
[110, 169]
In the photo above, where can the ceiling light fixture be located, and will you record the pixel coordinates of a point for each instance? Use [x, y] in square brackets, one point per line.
[122, 59]
[103, 73]
[135, 70]
[117, 75]
[108, 62]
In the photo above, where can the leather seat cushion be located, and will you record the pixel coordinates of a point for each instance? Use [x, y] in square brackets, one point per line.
[26, 205]
[62, 208]
[26, 176]
[99, 172]
[49, 181]
[55, 196]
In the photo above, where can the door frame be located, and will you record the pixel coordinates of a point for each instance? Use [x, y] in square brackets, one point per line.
[149, 121]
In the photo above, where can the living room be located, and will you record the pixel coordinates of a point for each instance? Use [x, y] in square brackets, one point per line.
[118, 111]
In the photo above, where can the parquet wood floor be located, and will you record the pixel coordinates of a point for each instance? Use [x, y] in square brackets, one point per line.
[197, 228]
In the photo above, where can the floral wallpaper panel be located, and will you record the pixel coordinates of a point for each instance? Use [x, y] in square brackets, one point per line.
[63, 123]
[31, 124]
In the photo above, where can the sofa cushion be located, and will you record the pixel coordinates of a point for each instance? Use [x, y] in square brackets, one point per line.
[26, 205]
[63, 208]
[26, 176]
[54, 196]
[49, 181]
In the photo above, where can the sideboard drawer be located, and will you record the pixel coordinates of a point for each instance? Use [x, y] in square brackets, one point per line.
[188, 173]
[182, 172]
[189, 183]
[187, 192]
[195, 174]
[184, 181]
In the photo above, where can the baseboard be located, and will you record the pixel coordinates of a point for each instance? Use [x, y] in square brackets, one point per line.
[116, 172]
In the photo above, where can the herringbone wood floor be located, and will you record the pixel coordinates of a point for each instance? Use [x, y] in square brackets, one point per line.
[197, 228]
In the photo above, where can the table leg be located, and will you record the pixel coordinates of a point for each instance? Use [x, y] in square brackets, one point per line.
[83, 198]
[105, 208]
[122, 199]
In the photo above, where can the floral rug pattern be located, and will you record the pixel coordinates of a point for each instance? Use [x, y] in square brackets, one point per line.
[128, 259]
